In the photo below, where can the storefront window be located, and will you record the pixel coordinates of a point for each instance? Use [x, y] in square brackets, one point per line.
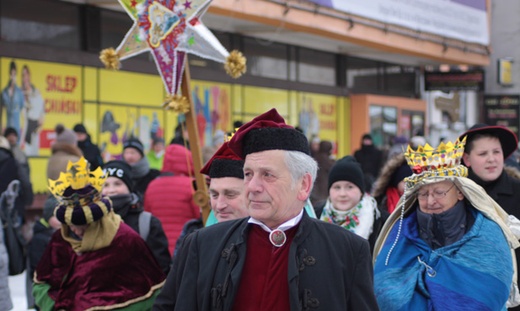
[369, 76]
[30, 21]
[411, 123]
[383, 125]
[316, 67]
[362, 75]
[266, 58]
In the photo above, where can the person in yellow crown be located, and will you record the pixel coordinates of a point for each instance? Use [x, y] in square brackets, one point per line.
[448, 244]
[86, 265]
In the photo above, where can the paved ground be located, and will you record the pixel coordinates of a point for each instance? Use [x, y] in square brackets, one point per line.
[17, 287]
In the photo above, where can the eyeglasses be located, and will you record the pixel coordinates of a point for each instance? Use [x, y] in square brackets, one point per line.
[437, 195]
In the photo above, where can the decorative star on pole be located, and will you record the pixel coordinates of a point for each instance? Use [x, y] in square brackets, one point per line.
[169, 29]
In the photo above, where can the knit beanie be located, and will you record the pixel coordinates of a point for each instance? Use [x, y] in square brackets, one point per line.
[121, 170]
[49, 206]
[80, 128]
[400, 173]
[347, 169]
[66, 136]
[10, 130]
[135, 143]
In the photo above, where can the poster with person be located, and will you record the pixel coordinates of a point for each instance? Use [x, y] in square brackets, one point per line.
[37, 96]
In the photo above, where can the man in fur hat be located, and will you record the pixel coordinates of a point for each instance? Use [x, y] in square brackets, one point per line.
[278, 258]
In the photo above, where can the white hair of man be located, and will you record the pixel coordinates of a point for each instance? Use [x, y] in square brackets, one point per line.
[300, 164]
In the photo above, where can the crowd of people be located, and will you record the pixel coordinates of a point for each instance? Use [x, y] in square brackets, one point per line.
[290, 228]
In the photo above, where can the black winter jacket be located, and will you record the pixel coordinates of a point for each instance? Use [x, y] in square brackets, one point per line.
[129, 209]
[506, 192]
[330, 269]
[91, 153]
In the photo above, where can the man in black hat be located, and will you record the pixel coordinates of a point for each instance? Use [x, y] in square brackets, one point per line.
[279, 258]
[226, 192]
[90, 150]
[226, 186]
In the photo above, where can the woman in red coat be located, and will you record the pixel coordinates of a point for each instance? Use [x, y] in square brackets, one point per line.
[170, 196]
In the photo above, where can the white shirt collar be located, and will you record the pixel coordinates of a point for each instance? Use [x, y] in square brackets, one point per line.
[285, 226]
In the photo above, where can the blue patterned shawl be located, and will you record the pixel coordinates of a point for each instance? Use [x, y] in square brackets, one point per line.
[474, 273]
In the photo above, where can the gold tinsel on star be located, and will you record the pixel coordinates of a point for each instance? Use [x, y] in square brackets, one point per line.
[110, 58]
[177, 103]
[235, 64]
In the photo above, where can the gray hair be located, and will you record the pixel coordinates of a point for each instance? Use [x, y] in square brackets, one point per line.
[300, 164]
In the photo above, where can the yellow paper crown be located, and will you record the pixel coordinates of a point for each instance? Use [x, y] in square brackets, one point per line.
[444, 161]
[77, 176]
[426, 158]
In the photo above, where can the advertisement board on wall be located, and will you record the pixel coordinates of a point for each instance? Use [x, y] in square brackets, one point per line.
[459, 19]
[502, 110]
[36, 96]
[317, 117]
[114, 106]
[454, 81]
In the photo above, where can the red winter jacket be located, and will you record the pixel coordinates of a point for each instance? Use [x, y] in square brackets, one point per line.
[170, 196]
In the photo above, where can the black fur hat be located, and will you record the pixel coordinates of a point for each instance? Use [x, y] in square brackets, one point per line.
[224, 163]
[268, 131]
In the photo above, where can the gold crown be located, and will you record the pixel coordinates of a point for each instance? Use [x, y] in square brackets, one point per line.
[426, 158]
[77, 176]
[445, 161]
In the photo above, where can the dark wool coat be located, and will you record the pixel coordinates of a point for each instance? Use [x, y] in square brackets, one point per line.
[506, 192]
[91, 153]
[320, 191]
[329, 269]
[156, 240]
[371, 160]
[141, 184]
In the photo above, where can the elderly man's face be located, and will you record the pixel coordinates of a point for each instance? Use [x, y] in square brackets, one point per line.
[438, 197]
[272, 197]
[228, 199]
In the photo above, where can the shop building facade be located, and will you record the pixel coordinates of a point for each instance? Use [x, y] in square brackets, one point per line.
[334, 74]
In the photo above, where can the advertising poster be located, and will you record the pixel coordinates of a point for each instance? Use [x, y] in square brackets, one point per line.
[118, 123]
[317, 116]
[502, 110]
[212, 103]
[259, 100]
[36, 96]
[130, 106]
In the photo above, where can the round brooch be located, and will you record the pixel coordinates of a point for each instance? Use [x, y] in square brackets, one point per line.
[277, 238]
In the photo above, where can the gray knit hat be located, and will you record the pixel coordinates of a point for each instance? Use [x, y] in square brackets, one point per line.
[66, 136]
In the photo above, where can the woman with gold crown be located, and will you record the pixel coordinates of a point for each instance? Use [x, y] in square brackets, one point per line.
[95, 262]
[448, 245]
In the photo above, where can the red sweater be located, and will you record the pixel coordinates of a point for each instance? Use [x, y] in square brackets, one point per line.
[264, 282]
